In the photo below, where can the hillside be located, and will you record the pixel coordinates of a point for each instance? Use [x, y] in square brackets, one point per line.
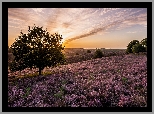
[74, 55]
[105, 82]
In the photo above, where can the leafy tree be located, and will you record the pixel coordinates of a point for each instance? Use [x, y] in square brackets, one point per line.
[98, 54]
[138, 48]
[144, 43]
[18, 53]
[130, 45]
[15, 66]
[38, 49]
[9, 50]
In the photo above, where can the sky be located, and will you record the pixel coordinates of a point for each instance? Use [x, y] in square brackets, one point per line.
[82, 27]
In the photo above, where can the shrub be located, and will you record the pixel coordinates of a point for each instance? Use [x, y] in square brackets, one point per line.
[138, 48]
[98, 54]
[130, 45]
[27, 92]
[88, 51]
[77, 53]
[135, 46]
[144, 42]
[124, 79]
[59, 94]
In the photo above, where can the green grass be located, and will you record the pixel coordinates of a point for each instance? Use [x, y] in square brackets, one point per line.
[59, 94]
[118, 71]
[91, 76]
[23, 76]
[124, 79]
[31, 75]
[64, 82]
[47, 73]
[27, 92]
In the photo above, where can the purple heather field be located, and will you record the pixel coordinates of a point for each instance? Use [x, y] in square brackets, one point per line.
[111, 81]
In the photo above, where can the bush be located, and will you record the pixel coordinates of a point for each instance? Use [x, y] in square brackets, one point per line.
[138, 48]
[77, 53]
[130, 45]
[98, 54]
[88, 51]
[135, 46]
[144, 43]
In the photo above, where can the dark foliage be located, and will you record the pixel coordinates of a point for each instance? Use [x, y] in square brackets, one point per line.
[37, 49]
[98, 54]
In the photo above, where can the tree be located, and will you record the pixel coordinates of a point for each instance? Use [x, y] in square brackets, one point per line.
[98, 54]
[16, 66]
[9, 50]
[18, 50]
[130, 45]
[144, 43]
[138, 48]
[38, 49]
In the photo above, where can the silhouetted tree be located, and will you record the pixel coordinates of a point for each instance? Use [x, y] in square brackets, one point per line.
[38, 49]
[138, 48]
[9, 50]
[144, 43]
[130, 45]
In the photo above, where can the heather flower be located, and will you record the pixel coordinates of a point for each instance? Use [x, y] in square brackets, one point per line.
[96, 82]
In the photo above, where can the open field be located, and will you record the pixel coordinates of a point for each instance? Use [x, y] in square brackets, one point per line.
[73, 55]
[104, 82]
[79, 54]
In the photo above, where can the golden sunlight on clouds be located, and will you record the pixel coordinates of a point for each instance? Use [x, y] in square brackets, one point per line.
[82, 27]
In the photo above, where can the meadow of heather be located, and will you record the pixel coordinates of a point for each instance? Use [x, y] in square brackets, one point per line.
[113, 81]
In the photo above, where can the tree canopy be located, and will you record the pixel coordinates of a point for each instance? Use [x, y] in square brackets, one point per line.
[144, 43]
[37, 49]
[130, 45]
[135, 46]
[138, 48]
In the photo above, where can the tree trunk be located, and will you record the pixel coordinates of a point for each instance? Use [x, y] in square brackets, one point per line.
[39, 71]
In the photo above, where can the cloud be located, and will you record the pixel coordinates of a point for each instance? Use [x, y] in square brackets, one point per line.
[14, 27]
[124, 21]
[76, 23]
[38, 10]
[92, 32]
[66, 24]
[132, 32]
[21, 18]
[18, 13]
[73, 20]
[133, 20]
[106, 10]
